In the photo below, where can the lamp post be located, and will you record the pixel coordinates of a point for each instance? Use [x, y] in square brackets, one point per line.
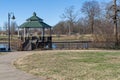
[9, 17]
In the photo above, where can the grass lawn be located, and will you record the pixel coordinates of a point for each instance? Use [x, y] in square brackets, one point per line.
[1, 53]
[72, 65]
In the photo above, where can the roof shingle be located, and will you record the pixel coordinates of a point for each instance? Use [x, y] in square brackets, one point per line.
[34, 22]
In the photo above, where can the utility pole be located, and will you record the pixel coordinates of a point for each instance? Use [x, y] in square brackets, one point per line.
[115, 23]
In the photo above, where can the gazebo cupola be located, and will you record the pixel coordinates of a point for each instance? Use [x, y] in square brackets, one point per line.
[35, 18]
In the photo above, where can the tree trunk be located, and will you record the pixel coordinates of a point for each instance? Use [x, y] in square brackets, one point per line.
[115, 24]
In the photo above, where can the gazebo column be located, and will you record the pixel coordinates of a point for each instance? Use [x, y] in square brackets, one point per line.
[43, 34]
[50, 39]
[27, 32]
[50, 32]
[18, 33]
[24, 33]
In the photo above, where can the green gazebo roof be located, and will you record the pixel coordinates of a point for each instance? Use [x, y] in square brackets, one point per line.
[34, 22]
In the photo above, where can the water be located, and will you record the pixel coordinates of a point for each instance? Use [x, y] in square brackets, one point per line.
[54, 46]
[82, 45]
[3, 47]
[68, 45]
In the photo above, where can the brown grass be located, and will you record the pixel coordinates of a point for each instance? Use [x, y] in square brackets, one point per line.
[72, 65]
[72, 38]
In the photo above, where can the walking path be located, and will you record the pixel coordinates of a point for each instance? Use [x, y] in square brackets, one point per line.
[9, 72]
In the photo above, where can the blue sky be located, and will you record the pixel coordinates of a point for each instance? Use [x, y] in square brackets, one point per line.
[49, 10]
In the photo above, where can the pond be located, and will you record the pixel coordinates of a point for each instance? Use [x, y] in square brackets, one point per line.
[3, 47]
[82, 45]
[68, 45]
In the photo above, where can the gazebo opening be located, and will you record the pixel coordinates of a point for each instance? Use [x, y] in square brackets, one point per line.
[35, 34]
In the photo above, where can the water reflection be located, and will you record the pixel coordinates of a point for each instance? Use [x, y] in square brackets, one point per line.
[82, 45]
[68, 45]
[54, 46]
[3, 47]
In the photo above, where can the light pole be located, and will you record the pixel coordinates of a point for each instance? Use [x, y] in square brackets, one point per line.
[9, 17]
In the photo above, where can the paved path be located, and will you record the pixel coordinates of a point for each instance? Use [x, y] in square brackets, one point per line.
[9, 72]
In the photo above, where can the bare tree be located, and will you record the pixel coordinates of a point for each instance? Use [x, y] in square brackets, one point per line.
[113, 13]
[60, 28]
[13, 28]
[5, 27]
[115, 22]
[70, 15]
[92, 11]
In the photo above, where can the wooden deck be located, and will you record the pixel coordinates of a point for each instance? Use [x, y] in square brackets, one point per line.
[37, 43]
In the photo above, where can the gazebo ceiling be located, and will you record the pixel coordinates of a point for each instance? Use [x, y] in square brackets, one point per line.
[34, 22]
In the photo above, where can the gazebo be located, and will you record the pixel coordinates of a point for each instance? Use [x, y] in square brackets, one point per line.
[38, 41]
